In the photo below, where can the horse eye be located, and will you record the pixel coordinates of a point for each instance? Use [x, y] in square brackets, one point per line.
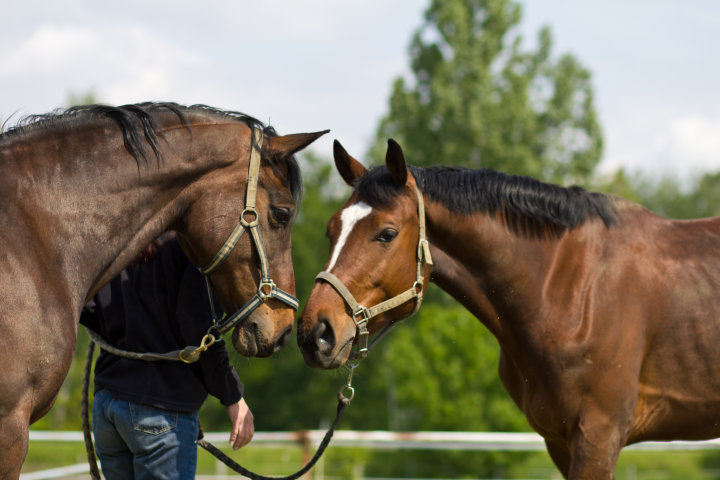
[282, 215]
[386, 236]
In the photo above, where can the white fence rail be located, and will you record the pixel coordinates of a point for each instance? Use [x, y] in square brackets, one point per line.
[381, 439]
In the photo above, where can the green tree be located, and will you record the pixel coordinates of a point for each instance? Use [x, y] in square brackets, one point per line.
[477, 99]
[87, 97]
[437, 371]
[665, 196]
[668, 199]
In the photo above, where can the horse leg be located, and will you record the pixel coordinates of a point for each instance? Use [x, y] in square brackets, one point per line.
[14, 428]
[560, 456]
[595, 449]
[16, 415]
[27, 391]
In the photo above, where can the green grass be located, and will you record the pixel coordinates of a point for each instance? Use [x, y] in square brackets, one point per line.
[267, 461]
[44, 455]
[346, 463]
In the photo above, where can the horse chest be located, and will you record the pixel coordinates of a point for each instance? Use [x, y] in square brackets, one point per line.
[548, 393]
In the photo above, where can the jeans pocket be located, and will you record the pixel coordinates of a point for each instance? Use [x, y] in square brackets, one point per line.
[153, 421]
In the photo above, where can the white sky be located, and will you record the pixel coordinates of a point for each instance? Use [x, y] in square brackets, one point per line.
[315, 64]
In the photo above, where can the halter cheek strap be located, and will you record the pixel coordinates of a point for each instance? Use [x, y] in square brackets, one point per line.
[248, 221]
[362, 315]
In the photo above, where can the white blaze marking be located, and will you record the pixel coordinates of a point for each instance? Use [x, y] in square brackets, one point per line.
[348, 218]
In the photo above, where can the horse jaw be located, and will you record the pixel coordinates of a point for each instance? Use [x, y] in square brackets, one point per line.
[264, 332]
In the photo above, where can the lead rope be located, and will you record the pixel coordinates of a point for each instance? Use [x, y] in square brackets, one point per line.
[344, 397]
[254, 476]
[85, 416]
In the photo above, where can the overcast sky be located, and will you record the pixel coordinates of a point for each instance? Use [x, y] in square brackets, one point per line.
[315, 64]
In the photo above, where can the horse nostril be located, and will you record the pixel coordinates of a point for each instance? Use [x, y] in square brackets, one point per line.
[283, 338]
[324, 336]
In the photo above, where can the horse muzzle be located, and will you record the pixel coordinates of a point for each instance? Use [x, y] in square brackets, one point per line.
[264, 332]
[321, 344]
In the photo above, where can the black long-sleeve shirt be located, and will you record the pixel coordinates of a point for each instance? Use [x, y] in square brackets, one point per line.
[160, 305]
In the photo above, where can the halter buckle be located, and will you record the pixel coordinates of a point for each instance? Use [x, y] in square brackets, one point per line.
[424, 251]
[360, 311]
[362, 332]
[266, 283]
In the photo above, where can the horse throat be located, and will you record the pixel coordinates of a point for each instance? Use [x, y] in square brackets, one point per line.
[490, 270]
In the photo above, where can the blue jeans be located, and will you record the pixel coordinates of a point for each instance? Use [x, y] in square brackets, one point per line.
[139, 442]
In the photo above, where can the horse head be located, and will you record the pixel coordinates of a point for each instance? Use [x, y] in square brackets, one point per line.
[377, 260]
[238, 226]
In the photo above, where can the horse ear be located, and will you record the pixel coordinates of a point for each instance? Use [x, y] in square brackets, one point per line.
[395, 161]
[283, 146]
[349, 168]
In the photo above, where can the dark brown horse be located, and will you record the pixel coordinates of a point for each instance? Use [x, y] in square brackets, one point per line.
[85, 190]
[608, 316]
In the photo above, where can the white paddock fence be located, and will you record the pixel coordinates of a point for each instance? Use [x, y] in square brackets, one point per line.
[492, 441]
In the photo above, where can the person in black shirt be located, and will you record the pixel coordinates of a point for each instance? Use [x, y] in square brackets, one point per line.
[145, 413]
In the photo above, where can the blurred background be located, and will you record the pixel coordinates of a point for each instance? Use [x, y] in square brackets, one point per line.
[616, 96]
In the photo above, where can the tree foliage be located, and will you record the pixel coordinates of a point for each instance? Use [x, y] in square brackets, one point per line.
[478, 99]
[665, 196]
[438, 371]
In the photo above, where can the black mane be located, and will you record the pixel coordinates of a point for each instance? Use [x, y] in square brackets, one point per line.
[528, 205]
[139, 128]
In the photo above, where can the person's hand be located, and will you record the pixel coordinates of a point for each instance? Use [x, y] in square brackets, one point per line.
[242, 424]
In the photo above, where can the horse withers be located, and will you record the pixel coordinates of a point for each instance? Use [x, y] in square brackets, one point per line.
[83, 191]
[607, 316]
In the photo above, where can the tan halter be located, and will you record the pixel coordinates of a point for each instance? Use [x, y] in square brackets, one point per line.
[248, 221]
[361, 315]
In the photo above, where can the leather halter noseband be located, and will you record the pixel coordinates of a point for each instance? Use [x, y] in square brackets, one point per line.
[362, 315]
[248, 221]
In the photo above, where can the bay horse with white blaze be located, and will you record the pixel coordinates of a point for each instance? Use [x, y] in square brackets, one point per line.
[83, 191]
[608, 316]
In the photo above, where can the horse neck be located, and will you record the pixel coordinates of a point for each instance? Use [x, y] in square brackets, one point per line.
[167, 191]
[98, 207]
[495, 273]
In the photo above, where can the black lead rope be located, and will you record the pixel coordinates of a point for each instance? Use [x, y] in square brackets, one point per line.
[343, 401]
[85, 416]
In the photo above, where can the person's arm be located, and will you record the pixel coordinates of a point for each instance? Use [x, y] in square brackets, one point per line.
[220, 378]
[242, 424]
[194, 319]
